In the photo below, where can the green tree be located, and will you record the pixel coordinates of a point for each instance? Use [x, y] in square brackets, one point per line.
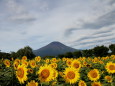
[26, 51]
[69, 55]
[112, 48]
[100, 51]
[13, 55]
[87, 53]
[60, 55]
[4, 55]
[77, 54]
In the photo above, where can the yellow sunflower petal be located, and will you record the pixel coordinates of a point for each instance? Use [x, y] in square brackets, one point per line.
[21, 73]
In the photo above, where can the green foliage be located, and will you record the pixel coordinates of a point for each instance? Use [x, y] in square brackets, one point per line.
[87, 53]
[112, 48]
[26, 51]
[48, 57]
[69, 54]
[4, 55]
[61, 55]
[100, 51]
[77, 54]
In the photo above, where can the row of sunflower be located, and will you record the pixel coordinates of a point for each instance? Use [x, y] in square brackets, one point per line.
[95, 71]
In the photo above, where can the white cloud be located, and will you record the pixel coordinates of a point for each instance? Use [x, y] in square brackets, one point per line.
[49, 21]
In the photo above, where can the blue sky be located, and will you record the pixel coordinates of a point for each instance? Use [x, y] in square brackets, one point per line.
[81, 24]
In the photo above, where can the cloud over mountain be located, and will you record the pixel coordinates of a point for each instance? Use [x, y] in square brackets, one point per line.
[76, 23]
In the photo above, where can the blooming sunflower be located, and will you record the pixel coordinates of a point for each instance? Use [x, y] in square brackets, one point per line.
[53, 83]
[64, 59]
[76, 64]
[32, 63]
[94, 75]
[96, 84]
[32, 83]
[84, 63]
[81, 83]
[24, 58]
[110, 67]
[55, 74]
[38, 59]
[46, 73]
[15, 64]
[71, 75]
[24, 62]
[30, 70]
[68, 62]
[53, 65]
[54, 60]
[47, 60]
[17, 60]
[108, 78]
[61, 74]
[7, 62]
[21, 73]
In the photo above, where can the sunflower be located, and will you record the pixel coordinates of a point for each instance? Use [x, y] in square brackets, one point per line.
[53, 83]
[7, 62]
[81, 83]
[32, 83]
[17, 60]
[85, 63]
[68, 62]
[110, 67]
[53, 65]
[24, 58]
[15, 64]
[21, 73]
[32, 63]
[64, 59]
[101, 62]
[12, 58]
[54, 60]
[55, 74]
[96, 84]
[76, 64]
[38, 59]
[24, 62]
[46, 73]
[94, 75]
[108, 78]
[47, 60]
[30, 70]
[71, 75]
[61, 74]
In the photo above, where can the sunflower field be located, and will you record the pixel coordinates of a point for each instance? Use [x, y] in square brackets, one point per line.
[82, 71]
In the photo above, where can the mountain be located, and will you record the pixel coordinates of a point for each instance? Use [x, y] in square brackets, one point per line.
[53, 49]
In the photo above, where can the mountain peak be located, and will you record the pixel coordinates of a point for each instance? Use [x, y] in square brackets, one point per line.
[53, 49]
[56, 43]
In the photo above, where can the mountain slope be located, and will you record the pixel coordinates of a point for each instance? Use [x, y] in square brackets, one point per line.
[53, 49]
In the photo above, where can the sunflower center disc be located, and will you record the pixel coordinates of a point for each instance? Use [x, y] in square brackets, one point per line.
[82, 84]
[45, 73]
[20, 73]
[112, 67]
[94, 75]
[76, 65]
[71, 75]
[33, 64]
[32, 84]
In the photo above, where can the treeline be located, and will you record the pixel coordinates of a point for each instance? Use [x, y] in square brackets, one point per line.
[26, 51]
[98, 51]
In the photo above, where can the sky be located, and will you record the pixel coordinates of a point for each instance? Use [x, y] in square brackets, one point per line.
[81, 24]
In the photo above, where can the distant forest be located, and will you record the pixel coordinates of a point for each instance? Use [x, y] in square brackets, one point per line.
[98, 51]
